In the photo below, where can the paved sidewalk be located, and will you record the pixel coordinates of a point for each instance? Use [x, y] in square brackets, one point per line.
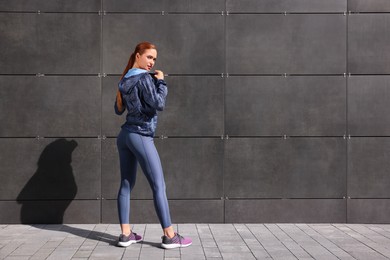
[211, 241]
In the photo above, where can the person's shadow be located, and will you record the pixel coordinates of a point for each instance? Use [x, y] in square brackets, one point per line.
[51, 189]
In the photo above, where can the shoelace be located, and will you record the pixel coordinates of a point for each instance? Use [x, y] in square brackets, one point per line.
[180, 238]
[176, 234]
[129, 236]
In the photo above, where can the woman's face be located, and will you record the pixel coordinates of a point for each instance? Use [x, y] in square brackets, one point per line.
[146, 60]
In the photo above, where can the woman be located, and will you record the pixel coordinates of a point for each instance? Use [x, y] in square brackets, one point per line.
[142, 95]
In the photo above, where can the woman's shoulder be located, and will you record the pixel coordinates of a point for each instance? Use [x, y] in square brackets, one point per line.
[146, 75]
[147, 78]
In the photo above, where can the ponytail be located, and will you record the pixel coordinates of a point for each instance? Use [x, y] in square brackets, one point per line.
[130, 64]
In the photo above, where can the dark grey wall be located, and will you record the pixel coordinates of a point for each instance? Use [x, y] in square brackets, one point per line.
[277, 110]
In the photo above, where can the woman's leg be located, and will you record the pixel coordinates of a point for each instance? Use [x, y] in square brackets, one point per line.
[147, 155]
[128, 169]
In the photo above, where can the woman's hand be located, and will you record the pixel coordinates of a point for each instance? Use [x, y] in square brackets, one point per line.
[159, 74]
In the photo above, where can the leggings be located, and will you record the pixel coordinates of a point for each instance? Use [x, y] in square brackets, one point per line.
[135, 148]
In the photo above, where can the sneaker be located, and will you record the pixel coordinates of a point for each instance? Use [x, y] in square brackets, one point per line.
[175, 242]
[125, 241]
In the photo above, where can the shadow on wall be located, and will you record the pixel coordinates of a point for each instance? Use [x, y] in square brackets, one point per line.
[52, 188]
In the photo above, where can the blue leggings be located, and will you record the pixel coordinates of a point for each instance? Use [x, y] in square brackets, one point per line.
[135, 148]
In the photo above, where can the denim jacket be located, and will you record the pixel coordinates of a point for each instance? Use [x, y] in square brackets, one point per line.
[142, 95]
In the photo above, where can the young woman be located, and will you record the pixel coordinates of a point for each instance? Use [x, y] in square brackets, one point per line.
[142, 93]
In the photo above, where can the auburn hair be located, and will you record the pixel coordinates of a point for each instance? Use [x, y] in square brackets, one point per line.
[140, 48]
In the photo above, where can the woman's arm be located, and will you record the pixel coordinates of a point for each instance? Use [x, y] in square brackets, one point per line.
[154, 94]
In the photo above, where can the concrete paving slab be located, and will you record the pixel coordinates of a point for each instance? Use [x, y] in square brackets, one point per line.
[211, 241]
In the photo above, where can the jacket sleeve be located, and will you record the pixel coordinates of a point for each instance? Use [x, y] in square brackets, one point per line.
[119, 106]
[154, 93]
